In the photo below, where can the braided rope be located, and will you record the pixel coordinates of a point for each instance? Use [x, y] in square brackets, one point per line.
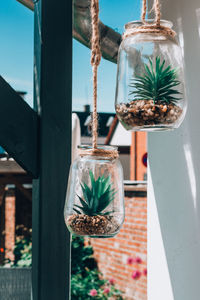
[95, 61]
[156, 8]
[144, 10]
[157, 12]
[155, 27]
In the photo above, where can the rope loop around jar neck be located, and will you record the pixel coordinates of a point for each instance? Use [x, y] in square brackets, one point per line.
[106, 153]
[149, 28]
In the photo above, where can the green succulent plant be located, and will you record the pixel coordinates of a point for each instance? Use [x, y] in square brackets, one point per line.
[96, 198]
[157, 84]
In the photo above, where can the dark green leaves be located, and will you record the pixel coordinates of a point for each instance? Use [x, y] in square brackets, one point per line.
[96, 198]
[157, 83]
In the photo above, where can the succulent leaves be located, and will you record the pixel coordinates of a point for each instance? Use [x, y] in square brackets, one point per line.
[96, 198]
[158, 83]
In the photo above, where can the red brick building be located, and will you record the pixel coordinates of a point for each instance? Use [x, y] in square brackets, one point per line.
[15, 205]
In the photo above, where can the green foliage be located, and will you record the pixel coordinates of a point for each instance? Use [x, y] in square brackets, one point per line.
[85, 275]
[157, 84]
[81, 287]
[82, 257]
[96, 198]
[23, 248]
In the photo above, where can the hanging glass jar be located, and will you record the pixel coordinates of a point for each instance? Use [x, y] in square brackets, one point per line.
[150, 92]
[95, 196]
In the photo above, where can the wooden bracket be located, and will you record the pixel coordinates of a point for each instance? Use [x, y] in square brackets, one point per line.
[18, 129]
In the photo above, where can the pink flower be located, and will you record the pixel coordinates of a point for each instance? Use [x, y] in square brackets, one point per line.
[106, 291]
[130, 260]
[137, 260]
[112, 281]
[136, 274]
[145, 272]
[93, 292]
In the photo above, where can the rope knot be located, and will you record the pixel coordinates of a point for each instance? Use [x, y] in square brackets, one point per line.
[95, 57]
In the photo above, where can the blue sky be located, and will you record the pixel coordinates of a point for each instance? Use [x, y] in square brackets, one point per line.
[16, 52]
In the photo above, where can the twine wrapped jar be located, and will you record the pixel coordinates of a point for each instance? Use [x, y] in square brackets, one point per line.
[95, 196]
[150, 90]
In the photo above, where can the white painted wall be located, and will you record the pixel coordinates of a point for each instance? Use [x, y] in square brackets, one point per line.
[121, 136]
[125, 161]
[76, 135]
[159, 283]
[174, 179]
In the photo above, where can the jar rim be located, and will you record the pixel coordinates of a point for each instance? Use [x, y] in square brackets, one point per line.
[137, 23]
[101, 147]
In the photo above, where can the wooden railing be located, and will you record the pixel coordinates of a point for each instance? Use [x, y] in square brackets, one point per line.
[15, 283]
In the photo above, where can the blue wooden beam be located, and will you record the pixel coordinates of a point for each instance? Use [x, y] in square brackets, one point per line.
[18, 128]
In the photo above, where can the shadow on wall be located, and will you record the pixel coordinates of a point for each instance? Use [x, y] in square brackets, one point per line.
[176, 193]
[175, 171]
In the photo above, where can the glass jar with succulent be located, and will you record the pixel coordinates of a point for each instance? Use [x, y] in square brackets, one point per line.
[95, 198]
[150, 93]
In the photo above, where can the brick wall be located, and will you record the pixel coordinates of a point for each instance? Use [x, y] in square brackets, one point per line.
[2, 231]
[15, 210]
[119, 257]
[9, 225]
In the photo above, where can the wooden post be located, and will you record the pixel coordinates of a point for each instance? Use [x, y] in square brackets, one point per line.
[138, 149]
[53, 81]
